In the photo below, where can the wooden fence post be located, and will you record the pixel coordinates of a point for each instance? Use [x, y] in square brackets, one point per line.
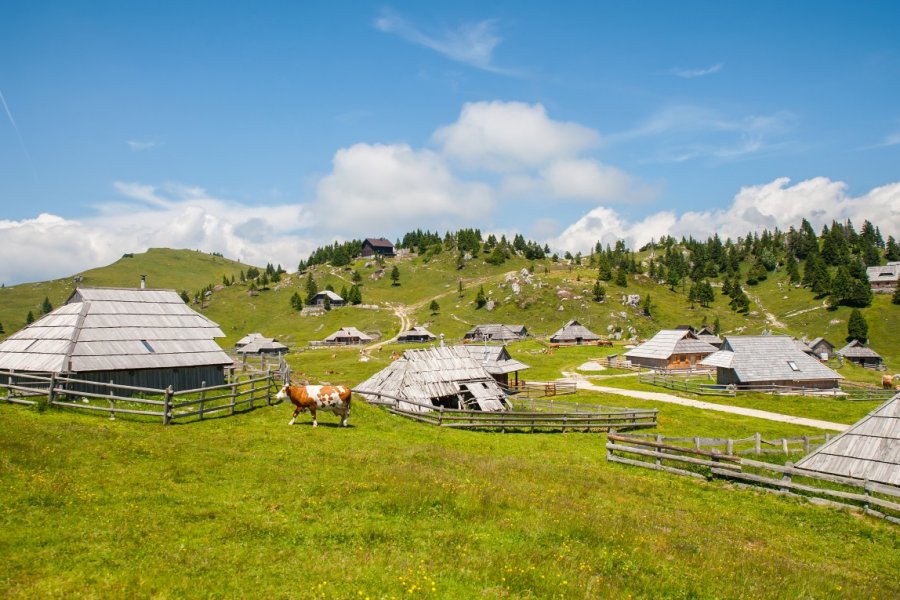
[202, 397]
[697, 442]
[167, 405]
[787, 476]
[757, 445]
[729, 447]
[441, 417]
[806, 444]
[784, 446]
[51, 393]
[234, 385]
[112, 402]
[659, 450]
[269, 387]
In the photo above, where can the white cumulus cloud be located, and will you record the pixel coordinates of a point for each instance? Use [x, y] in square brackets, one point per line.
[383, 187]
[506, 136]
[50, 246]
[775, 204]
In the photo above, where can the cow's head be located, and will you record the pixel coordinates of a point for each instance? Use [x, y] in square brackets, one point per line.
[283, 392]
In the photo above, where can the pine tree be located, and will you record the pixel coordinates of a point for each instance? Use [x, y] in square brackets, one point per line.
[857, 328]
[621, 278]
[599, 292]
[790, 265]
[480, 299]
[327, 304]
[892, 249]
[344, 293]
[895, 299]
[30, 318]
[311, 288]
[434, 307]
[717, 326]
[395, 276]
[296, 301]
[46, 306]
[647, 305]
[356, 277]
[185, 297]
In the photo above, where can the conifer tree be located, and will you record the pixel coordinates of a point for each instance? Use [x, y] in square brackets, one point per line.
[46, 306]
[395, 276]
[29, 319]
[599, 291]
[857, 328]
[434, 307]
[480, 299]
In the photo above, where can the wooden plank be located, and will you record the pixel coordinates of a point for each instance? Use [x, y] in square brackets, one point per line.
[675, 457]
[65, 392]
[641, 442]
[646, 465]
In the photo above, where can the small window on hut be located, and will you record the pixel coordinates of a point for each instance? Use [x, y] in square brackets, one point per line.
[793, 365]
[147, 346]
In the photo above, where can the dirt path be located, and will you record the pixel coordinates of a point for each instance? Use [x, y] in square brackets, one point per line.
[735, 410]
[401, 311]
[771, 319]
[797, 313]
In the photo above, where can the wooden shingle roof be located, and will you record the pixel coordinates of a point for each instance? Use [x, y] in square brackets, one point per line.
[572, 331]
[856, 349]
[114, 329]
[668, 342]
[763, 358]
[870, 449]
[422, 375]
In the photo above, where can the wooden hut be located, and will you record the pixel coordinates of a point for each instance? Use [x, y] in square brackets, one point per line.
[441, 377]
[256, 343]
[671, 349]
[377, 247]
[767, 360]
[497, 361]
[705, 334]
[857, 352]
[416, 335]
[869, 450]
[494, 332]
[139, 337]
[574, 332]
[884, 278]
[334, 299]
[347, 336]
[822, 348]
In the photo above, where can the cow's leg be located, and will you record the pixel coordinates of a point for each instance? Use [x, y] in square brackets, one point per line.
[294, 418]
[344, 416]
[312, 410]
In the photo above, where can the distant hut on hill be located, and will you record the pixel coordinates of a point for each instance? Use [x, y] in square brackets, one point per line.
[494, 332]
[573, 332]
[256, 343]
[857, 352]
[767, 360]
[347, 336]
[377, 247]
[440, 377]
[333, 299]
[416, 334]
[869, 450]
[671, 349]
[138, 337]
[822, 348]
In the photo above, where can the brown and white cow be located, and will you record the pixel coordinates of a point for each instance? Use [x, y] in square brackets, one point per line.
[334, 398]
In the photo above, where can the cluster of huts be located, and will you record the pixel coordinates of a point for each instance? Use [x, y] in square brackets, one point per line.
[749, 360]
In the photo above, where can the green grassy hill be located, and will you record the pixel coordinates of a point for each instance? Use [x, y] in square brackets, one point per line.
[558, 292]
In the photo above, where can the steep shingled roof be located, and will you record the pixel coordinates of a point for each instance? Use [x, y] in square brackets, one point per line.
[870, 449]
[762, 358]
[573, 331]
[668, 342]
[425, 375]
[115, 329]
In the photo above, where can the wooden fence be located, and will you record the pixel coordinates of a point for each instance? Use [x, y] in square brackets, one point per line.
[693, 386]
[872, 498]
[538, 389]
[565, 418]
[241, 391]
[755, 444]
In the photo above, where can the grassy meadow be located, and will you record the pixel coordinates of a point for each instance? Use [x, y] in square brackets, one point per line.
[248, 506]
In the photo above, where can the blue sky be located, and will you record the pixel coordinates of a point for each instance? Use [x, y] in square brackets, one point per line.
[265, 129]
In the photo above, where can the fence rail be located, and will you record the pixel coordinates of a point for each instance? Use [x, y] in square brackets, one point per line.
[566, 418]
[166, 404]
[872, 498]
[685, 384]
[754, 444]
[541, 389]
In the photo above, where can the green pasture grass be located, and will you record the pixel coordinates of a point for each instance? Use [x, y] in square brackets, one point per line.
[247, 506]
